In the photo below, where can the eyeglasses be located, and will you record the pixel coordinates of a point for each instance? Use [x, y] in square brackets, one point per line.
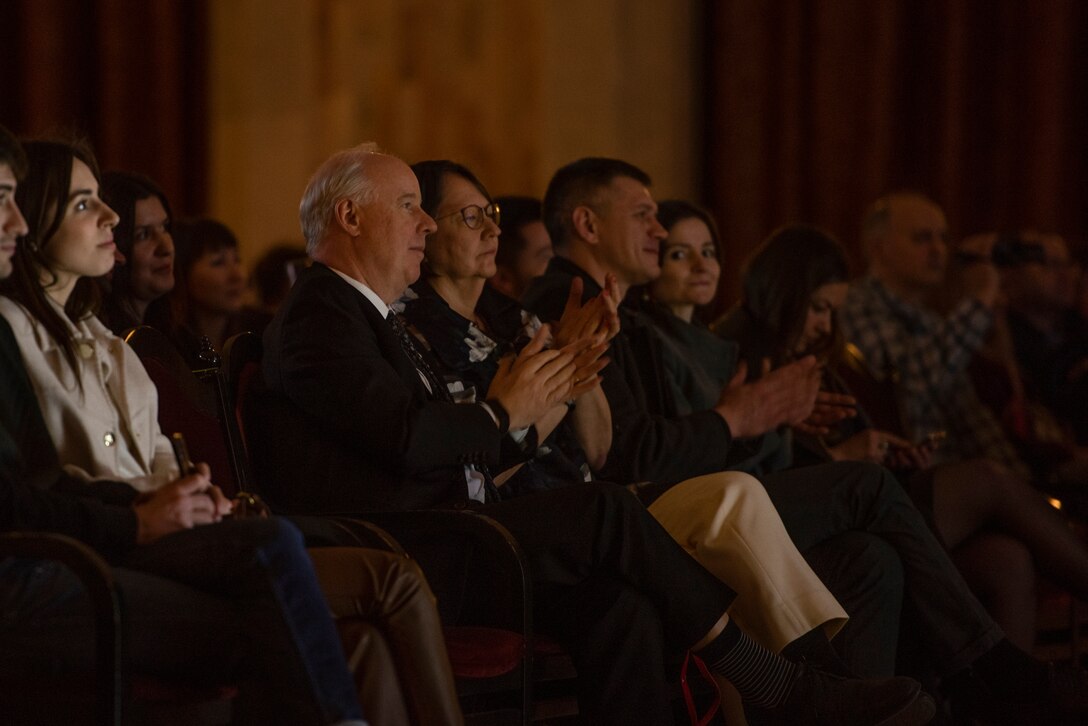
[474, 215]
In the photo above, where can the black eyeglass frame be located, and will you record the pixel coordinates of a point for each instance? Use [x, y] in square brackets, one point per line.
[492, 211]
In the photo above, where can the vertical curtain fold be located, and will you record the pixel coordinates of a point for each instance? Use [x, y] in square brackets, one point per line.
[129, 75]
[817, 108]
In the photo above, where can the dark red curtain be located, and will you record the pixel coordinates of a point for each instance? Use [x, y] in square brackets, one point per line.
[130, 75]
[816, 108]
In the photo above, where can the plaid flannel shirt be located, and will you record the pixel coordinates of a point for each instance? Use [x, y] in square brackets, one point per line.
[930, 355]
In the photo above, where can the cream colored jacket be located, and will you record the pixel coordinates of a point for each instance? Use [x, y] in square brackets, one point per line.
[110, 428]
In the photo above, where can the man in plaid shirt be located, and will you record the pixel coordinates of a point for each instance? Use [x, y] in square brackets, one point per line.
[905, 236]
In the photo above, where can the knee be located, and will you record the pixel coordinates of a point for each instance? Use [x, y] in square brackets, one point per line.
[728, 490]
[869, 563]
[996, 565]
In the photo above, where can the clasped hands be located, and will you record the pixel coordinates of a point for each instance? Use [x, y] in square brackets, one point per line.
[540, 377]
[182, 504]
[788, 395]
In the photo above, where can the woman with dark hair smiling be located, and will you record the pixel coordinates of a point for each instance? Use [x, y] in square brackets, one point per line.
[145, 249]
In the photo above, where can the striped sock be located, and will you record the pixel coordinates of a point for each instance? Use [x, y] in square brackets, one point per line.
[760, 676]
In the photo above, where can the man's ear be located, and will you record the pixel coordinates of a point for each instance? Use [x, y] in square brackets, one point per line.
[346, 215]
[585, 223]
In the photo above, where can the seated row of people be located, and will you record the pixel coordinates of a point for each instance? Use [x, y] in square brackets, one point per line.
[208, 599]
[372, 398]
[185, 276]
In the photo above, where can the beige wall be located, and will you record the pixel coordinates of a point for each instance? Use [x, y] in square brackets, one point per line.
[511, 88]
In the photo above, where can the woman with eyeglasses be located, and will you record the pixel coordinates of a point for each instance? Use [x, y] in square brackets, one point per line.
[469, 327]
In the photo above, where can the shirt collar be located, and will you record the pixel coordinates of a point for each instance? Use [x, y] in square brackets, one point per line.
[369, 294]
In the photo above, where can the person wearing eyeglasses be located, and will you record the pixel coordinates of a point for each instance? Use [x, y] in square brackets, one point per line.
[462, 319]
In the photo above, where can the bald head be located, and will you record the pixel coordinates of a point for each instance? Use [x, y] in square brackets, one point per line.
[905, 236]
[361, 215]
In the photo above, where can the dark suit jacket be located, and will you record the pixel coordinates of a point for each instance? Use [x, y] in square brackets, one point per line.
[35, 493]
[343, 421]
[645, 446]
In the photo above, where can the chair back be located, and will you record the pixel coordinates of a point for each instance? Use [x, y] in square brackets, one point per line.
[189, 405]
[241, 364]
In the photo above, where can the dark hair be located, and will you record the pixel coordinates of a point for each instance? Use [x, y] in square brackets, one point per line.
[432, 187]
[432, 181]
[193, 238]
[122, 190]
[578, 183]
[778, 281]
[11, 153]
[516, 213]
[672, 211]
[270, 273]
[42, 197]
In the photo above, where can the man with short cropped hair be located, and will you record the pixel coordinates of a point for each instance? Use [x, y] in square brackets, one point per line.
[602, 219]
[353, 401]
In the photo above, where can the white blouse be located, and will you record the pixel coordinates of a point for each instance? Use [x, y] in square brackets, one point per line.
[109, 428]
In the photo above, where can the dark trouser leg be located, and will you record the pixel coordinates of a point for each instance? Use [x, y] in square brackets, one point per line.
[818, 502]
[586, 534]
[293, 665]
[590, 530]
[865, 575]
[613, 634]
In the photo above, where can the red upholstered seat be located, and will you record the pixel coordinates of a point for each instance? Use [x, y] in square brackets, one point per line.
[479, 652]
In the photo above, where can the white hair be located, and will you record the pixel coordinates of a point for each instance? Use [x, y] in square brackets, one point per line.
[341, 176]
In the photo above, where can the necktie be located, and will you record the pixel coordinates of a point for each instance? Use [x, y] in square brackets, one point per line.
[408, 345]
[438, 390]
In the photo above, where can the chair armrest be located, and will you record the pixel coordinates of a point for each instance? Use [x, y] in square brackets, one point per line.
[97, 578]
[336, 531]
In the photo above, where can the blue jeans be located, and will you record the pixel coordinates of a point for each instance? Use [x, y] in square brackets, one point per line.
[235, 602]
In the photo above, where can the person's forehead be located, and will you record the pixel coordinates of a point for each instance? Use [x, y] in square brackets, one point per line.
[6, 173]
[915, 212]
[625, 190]
[391, 176]
[690, 230]
[1055, 247]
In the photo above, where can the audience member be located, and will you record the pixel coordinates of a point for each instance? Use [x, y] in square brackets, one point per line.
[886, 315]
[272, 278]
[524, 245]
[602, 220]
[793, 284]
[354, 403]
[1040, 283]
[144, 271]
[725, 520]
[108, 388]
[207, 300]
[469, 327]
[192, 614]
